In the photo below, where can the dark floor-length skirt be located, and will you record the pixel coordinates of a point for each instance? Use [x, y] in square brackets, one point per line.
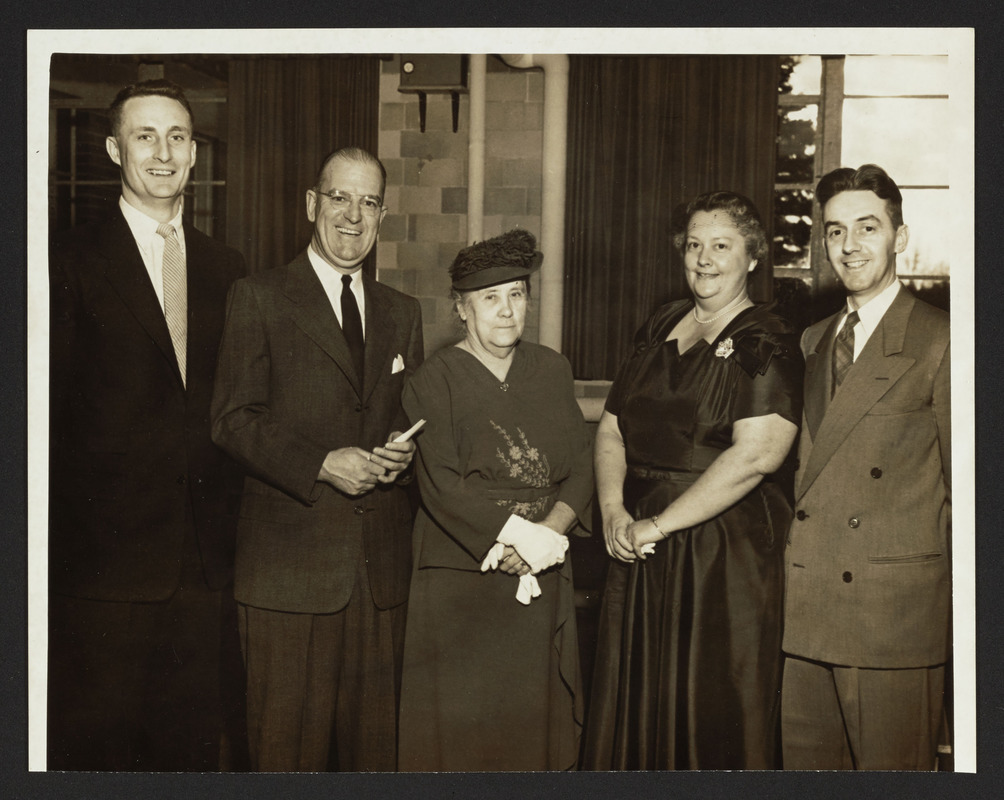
[489, 684]
[688, 663]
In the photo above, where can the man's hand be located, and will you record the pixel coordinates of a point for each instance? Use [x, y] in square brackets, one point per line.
[393, 457]
[352, 470]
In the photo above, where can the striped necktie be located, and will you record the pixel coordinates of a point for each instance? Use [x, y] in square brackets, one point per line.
[843, 351]
[175, 294]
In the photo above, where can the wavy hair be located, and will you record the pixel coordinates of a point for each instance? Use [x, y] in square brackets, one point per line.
[740, 210]
[866, 178]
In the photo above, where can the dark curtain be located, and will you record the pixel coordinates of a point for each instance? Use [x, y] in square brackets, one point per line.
[284, 116]
[645, 134]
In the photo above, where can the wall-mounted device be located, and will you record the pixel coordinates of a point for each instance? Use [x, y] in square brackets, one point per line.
[434, 74]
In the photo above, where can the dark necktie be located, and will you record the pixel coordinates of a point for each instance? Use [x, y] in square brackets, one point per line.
[352, 324]
[843, 351]
[175, 294]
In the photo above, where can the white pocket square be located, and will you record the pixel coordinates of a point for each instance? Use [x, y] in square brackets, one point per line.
[398, 365]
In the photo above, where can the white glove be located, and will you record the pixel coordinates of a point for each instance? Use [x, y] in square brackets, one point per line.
[526, 589]
[537, 545]
[491, 561]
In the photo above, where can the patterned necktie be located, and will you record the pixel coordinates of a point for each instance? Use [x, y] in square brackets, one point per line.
[843, 351]
[175, 294]
[352, 324]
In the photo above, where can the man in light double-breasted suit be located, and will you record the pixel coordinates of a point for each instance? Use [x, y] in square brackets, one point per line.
[868, 601]
[308, 396]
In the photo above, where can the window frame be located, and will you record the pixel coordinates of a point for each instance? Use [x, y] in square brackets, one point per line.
[828, 143]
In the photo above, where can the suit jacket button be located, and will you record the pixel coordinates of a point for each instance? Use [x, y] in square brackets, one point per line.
[853, 522]
[359, 407]
[797, 465]
[800, 515]
[876, 472]
[847, 577]
[182, 480]
[358, 509]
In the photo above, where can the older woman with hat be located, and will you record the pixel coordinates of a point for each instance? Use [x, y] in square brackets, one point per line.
[491, 673]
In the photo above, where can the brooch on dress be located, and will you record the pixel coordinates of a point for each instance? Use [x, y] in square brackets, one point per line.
[724, 349]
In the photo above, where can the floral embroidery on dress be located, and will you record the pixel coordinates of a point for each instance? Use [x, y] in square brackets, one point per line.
[532, 511]
[527, 464]
[524, 462]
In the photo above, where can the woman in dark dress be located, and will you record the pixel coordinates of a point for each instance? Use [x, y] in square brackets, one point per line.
[491, 671]
[699, 419]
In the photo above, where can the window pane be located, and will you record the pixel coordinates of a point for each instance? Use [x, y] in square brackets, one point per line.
[928, 214]
[800, 74]
[905, 137]
[796, 147]
[892, 75]
[81, 157]
[792, 228]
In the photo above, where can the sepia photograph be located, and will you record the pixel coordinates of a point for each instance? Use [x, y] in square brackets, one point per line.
[501, 401]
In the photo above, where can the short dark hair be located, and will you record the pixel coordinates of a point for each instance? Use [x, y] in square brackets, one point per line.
[866, 178]
[741, 211]
[359, 155]
[158, 87]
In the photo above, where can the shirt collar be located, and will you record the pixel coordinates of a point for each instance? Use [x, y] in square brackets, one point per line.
[143, 226]
[871, 313]
[330, 275]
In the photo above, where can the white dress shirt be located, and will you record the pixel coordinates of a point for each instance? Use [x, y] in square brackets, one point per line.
[869, 316]
[151, 243]
[331, 280]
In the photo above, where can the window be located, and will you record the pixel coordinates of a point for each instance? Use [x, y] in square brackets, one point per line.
[850, 110]
[797, 146]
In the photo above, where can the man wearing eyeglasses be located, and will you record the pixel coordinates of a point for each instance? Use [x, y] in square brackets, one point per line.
[308, 398]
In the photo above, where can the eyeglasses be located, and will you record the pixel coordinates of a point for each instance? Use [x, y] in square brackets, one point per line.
[369, 205]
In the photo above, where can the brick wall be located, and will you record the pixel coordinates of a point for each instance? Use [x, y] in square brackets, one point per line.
[427, 184]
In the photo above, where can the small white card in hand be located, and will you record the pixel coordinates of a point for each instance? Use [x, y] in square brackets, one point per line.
[404, 437]
[648, 548]
[398, 365]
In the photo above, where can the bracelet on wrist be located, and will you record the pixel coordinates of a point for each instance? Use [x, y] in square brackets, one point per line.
[662, 533]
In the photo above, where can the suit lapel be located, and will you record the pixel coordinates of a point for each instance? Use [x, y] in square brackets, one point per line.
[316, 318]
[380, 328]
[126, 272]
[874, 372]
[818, 377]
[204, 303]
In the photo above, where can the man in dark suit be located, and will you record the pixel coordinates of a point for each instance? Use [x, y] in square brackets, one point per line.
[140, 527]
[308, 398]
[868, 601]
